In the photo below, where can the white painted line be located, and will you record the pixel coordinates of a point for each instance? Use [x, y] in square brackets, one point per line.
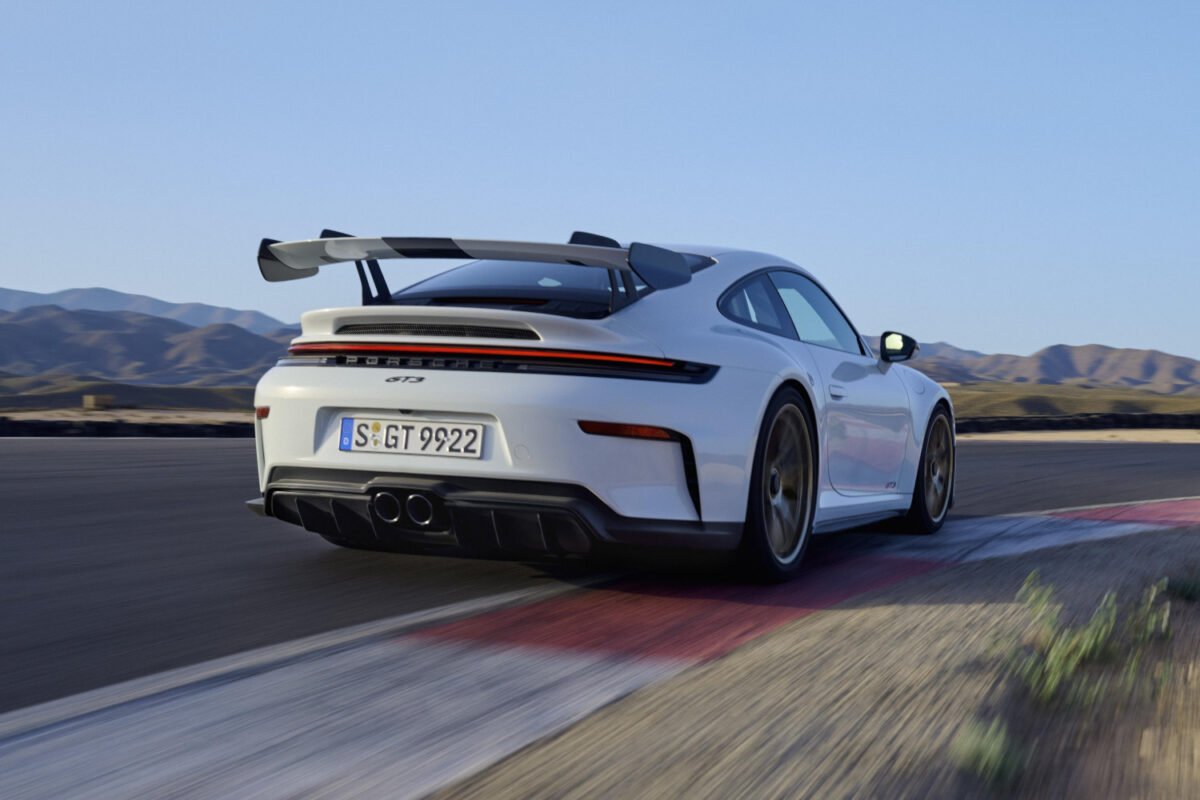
[1129, 503]
[1074, 532]
[23, 720]
[391, 718]
[979, 538]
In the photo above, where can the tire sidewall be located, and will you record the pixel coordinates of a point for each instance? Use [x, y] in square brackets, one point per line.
[761, 560]
[918, 514]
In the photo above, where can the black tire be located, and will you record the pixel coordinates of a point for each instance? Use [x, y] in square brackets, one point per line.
[936, 469]
[783, 500]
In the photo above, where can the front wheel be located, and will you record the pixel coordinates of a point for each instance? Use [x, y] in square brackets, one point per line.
[783, 486]
[934, 487]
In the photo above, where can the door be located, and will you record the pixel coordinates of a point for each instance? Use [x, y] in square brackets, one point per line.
[867, 421]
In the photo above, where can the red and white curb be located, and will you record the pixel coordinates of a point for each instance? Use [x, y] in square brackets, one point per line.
[402, 707]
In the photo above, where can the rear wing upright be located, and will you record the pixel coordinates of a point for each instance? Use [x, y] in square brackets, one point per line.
[659, 267]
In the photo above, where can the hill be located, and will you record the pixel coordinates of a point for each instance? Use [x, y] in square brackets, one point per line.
[197, 315]
[131, 347]
[50, 356]
[1090, 365]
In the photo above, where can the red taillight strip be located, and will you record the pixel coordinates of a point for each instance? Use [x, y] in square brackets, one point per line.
[494, 352]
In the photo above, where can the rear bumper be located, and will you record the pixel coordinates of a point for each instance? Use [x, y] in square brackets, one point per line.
[532, 432]
[476, 516]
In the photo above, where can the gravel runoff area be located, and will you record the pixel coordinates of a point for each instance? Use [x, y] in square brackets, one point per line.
[864, 700]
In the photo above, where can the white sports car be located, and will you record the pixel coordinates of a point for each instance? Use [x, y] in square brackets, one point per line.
[562, 399]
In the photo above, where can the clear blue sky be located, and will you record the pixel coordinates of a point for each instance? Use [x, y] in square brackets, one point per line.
[999, 175]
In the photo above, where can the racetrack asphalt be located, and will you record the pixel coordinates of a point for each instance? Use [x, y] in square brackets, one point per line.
[123, 558]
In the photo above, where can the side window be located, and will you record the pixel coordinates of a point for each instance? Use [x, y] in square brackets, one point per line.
[817, 319]
[751, 303]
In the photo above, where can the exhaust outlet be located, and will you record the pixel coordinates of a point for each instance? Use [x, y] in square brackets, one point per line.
[419, 510]
[387, 507]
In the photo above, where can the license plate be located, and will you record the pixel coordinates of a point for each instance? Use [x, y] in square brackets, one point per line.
[411, 438]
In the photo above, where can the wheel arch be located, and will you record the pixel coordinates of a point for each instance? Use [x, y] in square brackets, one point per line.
[944, 402]
[753, 548]
[806, 394]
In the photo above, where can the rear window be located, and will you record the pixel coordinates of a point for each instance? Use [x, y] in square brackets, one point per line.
[530, 285]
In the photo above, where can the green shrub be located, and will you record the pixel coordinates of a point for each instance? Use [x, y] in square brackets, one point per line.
[1151, 619]
[1056, 652]
[987, 752]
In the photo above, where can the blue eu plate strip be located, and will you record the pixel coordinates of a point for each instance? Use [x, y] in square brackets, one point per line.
[347, 433]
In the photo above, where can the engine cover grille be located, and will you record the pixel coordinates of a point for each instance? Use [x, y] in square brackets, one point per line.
[429, 329]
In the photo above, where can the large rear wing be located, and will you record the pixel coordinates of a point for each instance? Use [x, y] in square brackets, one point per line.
[658, 267]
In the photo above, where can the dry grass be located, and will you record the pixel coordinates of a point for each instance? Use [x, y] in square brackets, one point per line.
[66, 392]
[1022, 399]
[1105, 436]
[139, 416]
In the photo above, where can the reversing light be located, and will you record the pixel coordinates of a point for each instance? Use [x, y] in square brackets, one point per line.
[626, 430]
[262, 412]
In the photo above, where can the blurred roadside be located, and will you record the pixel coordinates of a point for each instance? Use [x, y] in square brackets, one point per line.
[868, 698]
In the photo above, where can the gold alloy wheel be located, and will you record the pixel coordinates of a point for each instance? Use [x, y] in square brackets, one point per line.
[788, 479]
[939, 467]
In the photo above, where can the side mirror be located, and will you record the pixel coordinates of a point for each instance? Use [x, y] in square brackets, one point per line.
[897, 347]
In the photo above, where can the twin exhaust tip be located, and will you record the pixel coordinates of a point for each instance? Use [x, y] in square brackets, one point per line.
[416, 508]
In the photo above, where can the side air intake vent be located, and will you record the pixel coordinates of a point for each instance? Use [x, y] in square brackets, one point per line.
[423, 329]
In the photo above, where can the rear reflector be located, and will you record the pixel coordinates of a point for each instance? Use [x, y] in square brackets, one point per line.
[653, 432]
[262, 412]
[627, 431]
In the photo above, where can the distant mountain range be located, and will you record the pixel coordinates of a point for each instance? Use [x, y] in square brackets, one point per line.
[134, 348]
[142, 341]
[1085, 365]
[195, 314]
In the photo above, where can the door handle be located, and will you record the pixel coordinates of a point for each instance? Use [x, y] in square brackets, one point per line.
[837, 392]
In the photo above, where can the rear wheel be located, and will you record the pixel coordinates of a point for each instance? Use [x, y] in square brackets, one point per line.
[783, 484]
[934, 488]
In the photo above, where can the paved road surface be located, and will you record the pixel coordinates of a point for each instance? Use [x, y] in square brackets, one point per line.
[122, 558]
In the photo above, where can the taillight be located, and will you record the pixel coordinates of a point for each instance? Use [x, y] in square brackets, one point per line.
[262, 412]
[496, 359]
[435, 350]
